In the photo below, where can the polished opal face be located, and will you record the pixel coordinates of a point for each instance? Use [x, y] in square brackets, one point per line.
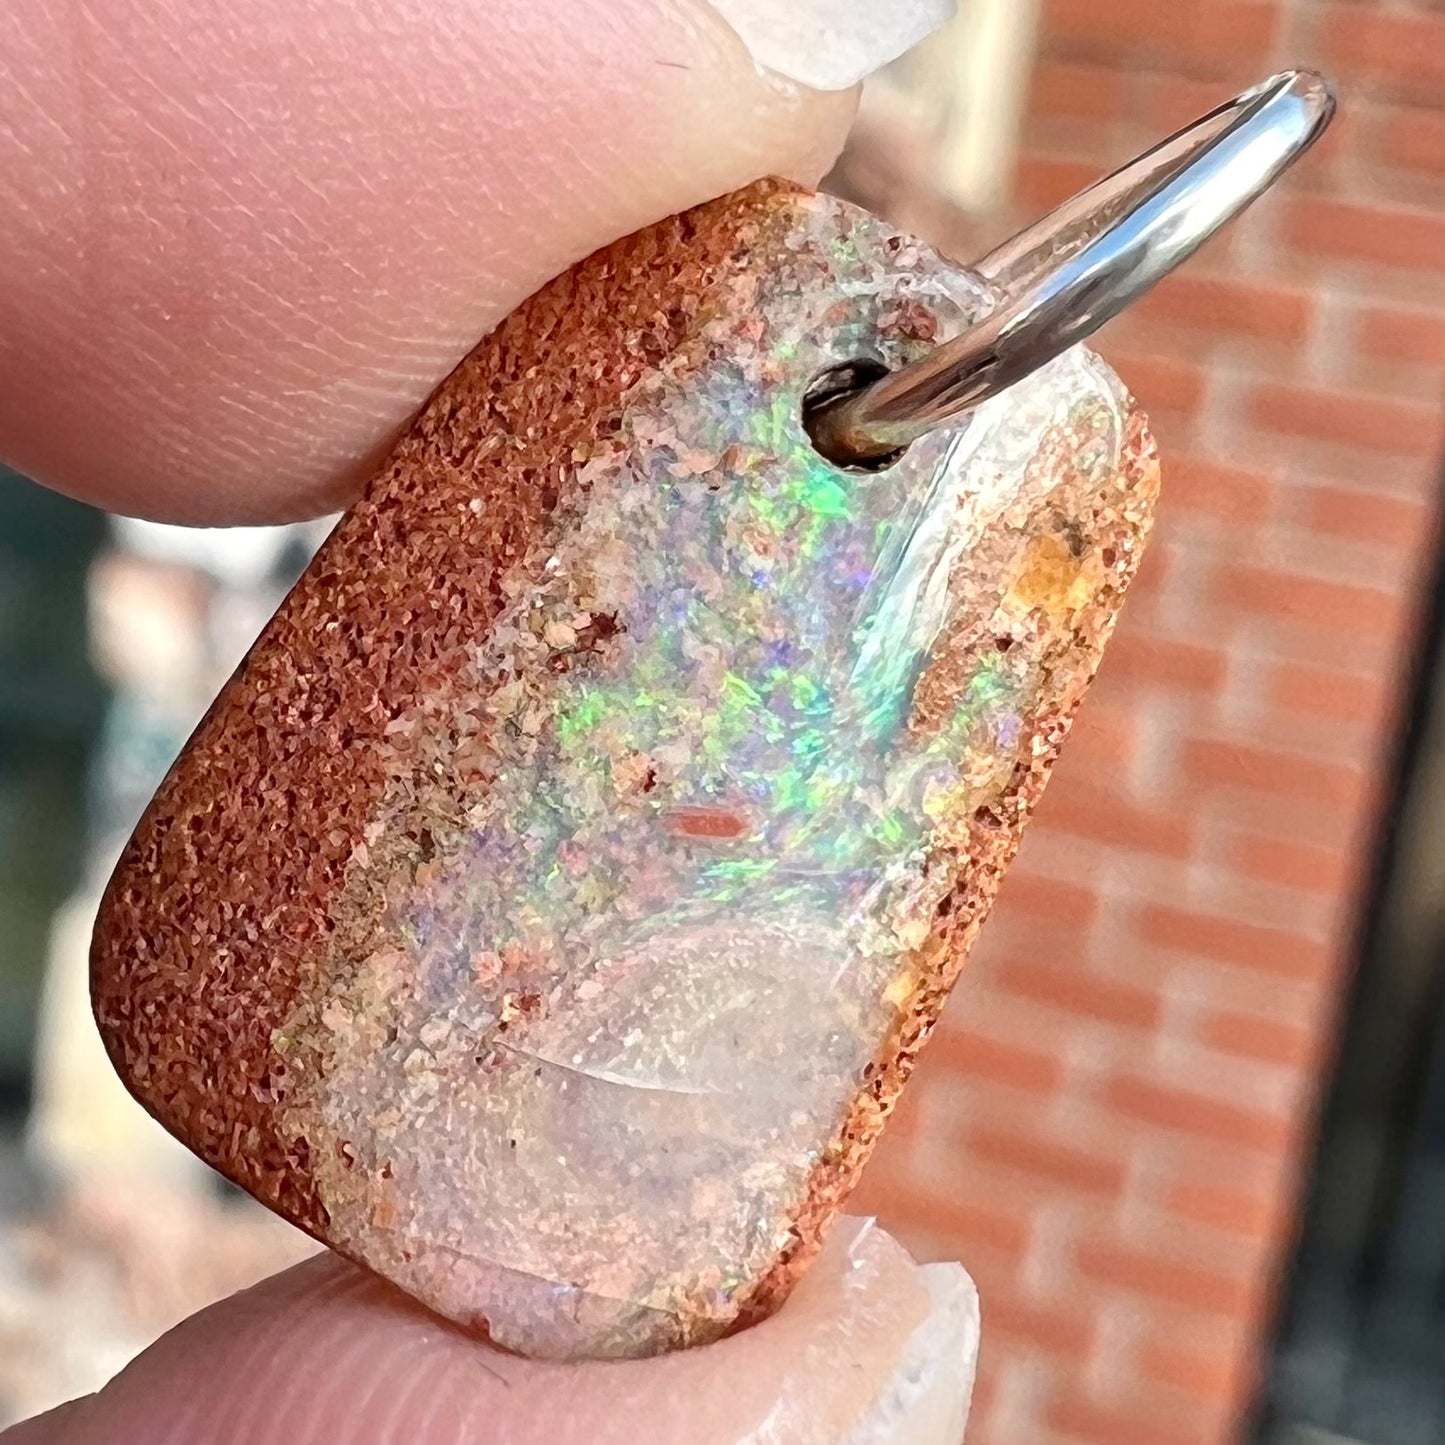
[645, 875]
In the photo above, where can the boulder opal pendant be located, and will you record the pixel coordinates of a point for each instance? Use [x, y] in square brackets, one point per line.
[549, 912]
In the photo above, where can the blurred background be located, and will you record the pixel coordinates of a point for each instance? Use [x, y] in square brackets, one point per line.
[1185, 1118]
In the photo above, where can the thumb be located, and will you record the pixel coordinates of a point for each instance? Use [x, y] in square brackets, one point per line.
[871, 1349]
[239, 248]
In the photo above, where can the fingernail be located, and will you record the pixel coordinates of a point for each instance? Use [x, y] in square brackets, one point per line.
[831, 44]
[928, 1396]
[924, 1399]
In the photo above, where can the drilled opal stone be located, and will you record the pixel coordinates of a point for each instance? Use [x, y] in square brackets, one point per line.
[549, 912]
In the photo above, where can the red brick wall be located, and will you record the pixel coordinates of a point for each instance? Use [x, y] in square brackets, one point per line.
[1109, 1127]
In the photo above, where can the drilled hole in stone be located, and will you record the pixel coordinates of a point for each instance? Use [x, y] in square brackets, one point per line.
[828, 390]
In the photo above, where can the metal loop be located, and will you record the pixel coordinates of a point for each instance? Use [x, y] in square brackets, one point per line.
[1063, 277]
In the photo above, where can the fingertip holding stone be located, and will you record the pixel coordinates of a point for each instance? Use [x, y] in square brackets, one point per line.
[550, 911]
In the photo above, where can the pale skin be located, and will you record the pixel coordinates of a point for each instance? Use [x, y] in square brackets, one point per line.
[238, 248]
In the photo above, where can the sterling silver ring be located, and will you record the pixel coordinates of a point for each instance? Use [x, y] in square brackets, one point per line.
[1063, 277]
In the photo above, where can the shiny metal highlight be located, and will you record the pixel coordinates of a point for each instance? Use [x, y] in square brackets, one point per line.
[1062, 278]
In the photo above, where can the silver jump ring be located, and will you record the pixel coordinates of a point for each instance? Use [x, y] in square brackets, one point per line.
[1062, 278]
